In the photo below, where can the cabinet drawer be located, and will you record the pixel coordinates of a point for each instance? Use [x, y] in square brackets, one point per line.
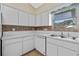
[11, 41]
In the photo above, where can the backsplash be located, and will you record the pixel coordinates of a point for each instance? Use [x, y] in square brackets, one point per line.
[25, 28]
[16, 28]
[34, 28]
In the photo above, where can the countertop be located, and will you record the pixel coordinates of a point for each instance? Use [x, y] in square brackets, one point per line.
[16, 36]
[76, 41]
[43, 35]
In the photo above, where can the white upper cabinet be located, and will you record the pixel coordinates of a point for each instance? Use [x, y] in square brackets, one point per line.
[45, 18]
[31, 20]
[42, 19]
[23, 19]
[38, 20]
[27, 20]
[9, 15]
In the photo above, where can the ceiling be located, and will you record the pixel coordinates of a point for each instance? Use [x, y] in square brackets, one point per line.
[36, 5]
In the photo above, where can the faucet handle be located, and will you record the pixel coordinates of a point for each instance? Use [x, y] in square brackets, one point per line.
[73, 38]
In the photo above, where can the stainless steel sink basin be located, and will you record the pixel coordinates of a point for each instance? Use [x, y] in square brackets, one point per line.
[57, 36]
[53, 35]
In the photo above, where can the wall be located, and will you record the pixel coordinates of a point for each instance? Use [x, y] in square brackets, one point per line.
[25, 28]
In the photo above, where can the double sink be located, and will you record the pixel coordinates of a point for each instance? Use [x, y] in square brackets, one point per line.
[62, 36]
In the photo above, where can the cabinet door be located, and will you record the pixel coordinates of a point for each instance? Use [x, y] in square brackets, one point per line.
[45, 19]
[20, 47]
[9, 15]
[12, 48]
[51, 50]
[28, 44]
[31, 20]
[68, 52]
[27, 19]
[38, 20]
[23, 18]
[40, 45]
[60, 51]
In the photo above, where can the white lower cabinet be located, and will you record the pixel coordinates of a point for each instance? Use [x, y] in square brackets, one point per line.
[12, 47]
[51, 50]
[40, 45]
[28, 45]
[53, 47]
[61, 48]
[17, 46]
[60, 51]
[66, 52]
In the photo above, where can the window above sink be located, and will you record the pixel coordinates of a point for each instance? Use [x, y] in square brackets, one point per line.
[64, 18]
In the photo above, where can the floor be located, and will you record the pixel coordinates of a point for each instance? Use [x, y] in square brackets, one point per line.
[33, 53]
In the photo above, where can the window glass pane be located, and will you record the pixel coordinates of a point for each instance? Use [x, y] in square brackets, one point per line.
[61, 17]
[66, 15]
